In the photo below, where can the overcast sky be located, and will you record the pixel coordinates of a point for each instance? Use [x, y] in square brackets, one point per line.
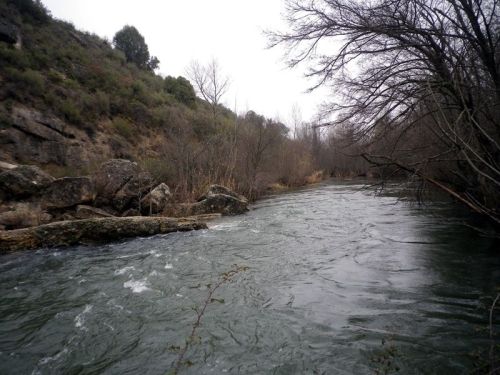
[231, 31]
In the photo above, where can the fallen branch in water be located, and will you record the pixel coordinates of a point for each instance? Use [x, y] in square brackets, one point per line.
[224, 278]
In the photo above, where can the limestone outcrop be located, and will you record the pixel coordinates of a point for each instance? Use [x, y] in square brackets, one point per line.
[23, 181]
[217, 199]
[90, 231]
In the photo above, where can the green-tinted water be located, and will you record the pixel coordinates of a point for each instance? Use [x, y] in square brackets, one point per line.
[334, 271]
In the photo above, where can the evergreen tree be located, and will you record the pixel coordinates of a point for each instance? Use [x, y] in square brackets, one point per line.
[133, 45]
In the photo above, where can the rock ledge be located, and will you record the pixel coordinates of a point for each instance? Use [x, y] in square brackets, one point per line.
[88, 231]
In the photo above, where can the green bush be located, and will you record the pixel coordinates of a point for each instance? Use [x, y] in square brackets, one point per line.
[138, 112]
[33, 9]
[40, 59]
[71, 112]
[95, 105]
[181, 89]
[55, 77]
[11, 57]
[124, 128]
[25, 83]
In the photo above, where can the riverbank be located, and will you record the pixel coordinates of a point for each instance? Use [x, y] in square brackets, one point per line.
[119, 200]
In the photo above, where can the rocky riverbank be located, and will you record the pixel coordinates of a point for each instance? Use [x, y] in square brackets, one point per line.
[90, 231]
[119, 200]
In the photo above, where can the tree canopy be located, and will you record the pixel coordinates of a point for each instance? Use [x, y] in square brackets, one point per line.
[181, 89]
[132, 44]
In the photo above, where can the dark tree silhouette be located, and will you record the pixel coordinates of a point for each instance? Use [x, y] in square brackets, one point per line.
[132, 44]
[430, 68]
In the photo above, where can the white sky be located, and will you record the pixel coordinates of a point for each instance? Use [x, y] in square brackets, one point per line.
[231, 31]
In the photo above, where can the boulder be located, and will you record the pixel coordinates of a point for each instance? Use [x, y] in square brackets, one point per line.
[156, 200]
[121, 183]
[216, 203]
[92, 231]
[68, 192]
[23, 181]
[220, 203]
[112, 176]
[219, 189]
[88, 212]
[130, 194]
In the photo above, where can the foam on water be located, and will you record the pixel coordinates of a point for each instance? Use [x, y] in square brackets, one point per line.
[137, 286]
[55, 357]
[225, 226]
[124, 270]
[80, 318]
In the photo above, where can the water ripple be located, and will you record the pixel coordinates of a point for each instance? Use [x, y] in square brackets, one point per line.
[334, 272]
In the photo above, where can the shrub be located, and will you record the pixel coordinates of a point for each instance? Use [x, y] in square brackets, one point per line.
[138, 112]
[34, 9]
[25, 83]
[181, 89]
[95, 105]
[12, 57]
[124, 128]
[160, 169]
[70, 111]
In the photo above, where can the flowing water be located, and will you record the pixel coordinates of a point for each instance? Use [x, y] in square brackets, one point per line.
[339, 282]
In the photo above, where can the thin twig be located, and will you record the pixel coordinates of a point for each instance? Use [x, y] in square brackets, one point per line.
[225, 277]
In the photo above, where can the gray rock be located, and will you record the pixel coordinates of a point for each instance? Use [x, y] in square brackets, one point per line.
[23, 181]
[41, 138]
[156, 200]
[130, 194]
[68, 192]
[111, 177]
[216, 203]
[219, 189]
[92, 231]
[44, 126]
[220, 203]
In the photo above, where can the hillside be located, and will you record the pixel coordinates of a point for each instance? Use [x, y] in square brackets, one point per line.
[69, 100]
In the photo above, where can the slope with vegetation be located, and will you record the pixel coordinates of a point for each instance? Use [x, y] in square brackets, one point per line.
[69, 100]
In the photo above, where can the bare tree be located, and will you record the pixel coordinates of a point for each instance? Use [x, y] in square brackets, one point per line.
[296, 119]
[430, 68]
[210, 83]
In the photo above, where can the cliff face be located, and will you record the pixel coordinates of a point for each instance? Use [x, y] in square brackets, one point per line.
[68, 99]
[41, 138]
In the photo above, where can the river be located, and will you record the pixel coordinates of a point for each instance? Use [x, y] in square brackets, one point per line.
[339, 281]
